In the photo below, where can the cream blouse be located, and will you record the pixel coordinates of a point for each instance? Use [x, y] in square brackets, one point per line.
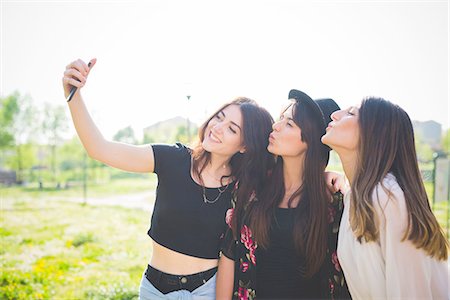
[389, 268]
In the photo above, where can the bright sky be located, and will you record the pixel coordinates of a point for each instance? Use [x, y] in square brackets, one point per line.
[152, 54]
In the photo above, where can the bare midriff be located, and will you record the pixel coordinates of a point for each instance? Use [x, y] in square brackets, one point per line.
[172, 262]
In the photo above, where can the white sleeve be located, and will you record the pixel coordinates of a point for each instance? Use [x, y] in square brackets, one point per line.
[408, 269]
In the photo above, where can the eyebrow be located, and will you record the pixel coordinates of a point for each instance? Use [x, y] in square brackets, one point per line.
[289, 118]
[230, 121]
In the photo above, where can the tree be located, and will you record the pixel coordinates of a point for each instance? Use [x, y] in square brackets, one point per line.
[181, 135]
[19, 116]
[54, 126]
[71, 159]
[22, 159]
[9, 107]
[125, 135]
[148, 139]
[424, 151]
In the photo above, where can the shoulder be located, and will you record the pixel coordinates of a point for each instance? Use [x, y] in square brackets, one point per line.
[388, 198]
[171, 147]
[388, 191]
[177, 148]
[170, 156]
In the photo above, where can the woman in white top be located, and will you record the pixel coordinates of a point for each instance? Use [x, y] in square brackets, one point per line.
[390, 244]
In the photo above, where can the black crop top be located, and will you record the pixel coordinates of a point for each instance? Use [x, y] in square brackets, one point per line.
[181, 220]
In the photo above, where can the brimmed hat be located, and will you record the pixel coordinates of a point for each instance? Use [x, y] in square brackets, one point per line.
[326, 105]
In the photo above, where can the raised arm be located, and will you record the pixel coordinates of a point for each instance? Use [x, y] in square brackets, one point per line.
[131, 158]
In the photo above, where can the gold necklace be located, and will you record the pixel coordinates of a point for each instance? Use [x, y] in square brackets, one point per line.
[206, 200]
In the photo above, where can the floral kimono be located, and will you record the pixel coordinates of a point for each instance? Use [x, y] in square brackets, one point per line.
[243, 250]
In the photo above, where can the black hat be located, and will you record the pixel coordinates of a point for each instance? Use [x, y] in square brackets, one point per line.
[327, 106]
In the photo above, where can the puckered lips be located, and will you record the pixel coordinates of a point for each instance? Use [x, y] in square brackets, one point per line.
[330, 125]
[271, 138]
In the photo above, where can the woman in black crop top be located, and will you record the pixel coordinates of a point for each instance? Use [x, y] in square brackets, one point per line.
[194, 186]
[281, 244]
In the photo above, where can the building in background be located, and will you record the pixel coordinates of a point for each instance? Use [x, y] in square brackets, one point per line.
[429, 132]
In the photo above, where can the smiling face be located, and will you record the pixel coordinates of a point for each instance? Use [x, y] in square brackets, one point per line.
[343, 132]
[286, 137]
[223, 134]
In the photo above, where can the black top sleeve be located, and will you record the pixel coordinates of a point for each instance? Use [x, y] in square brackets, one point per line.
[164, 155]
[228, 245]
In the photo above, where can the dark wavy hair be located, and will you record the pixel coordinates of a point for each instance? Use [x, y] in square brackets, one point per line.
[251, 167]
[387, 145]
[310, 227]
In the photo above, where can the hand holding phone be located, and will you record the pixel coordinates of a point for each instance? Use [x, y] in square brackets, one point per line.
[74, 88]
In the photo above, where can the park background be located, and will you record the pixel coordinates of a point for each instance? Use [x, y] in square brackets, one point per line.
[73, 228]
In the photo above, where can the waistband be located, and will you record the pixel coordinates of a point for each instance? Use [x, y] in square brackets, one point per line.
[167, 283]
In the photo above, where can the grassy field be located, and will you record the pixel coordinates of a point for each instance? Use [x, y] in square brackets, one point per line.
[58, 250]
[146, 182]
[61, 250]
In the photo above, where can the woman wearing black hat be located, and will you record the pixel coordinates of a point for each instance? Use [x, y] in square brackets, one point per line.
[282, 241]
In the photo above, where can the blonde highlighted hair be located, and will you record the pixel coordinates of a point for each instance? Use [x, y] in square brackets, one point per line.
[387, 146]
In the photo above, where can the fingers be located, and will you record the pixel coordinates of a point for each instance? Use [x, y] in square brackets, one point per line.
[338, 183]
[92, 63]
[336, 186]
[76, 74]
[333, 186]
[72, 82]
[79, 65]
[341, 184]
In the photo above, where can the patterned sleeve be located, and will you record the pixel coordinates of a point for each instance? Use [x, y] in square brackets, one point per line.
[337, 285]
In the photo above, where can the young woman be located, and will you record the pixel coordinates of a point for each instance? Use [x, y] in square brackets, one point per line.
[390, 243]
[282, 241]
[194, 187]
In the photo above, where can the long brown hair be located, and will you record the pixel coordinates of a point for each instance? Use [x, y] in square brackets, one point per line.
[386, 145]
[251, 166]
[310, 225]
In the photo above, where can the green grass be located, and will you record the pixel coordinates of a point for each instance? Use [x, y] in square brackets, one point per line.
[58, 250]
[114, 187]
[440, 209]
